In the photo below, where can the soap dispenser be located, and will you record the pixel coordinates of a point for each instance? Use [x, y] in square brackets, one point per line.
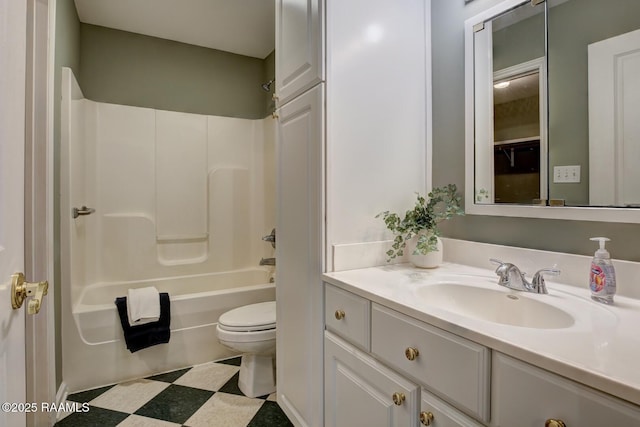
[602, 276]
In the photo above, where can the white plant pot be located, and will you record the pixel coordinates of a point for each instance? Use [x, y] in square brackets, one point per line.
[430, 260]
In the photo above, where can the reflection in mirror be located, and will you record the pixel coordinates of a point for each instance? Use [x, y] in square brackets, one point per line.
[594, 99]
[578, 144]
[516, 125]
[510, 94]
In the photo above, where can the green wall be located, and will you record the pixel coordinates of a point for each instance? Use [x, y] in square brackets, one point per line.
[67, 54]
[448, 156]
[131, 69]
[520, 42]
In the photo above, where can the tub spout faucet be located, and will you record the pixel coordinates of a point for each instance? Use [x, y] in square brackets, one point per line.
[512, 278]
[267, 261]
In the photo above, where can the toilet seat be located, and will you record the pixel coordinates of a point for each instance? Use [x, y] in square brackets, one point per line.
[225, 336]
[249, 318]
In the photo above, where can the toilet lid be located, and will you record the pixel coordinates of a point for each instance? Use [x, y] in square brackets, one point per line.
[253, 317]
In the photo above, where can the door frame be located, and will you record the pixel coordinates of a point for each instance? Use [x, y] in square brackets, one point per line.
[39, 196]
[537, 65]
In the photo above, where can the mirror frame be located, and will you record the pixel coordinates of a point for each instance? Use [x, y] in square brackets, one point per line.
[624, 215]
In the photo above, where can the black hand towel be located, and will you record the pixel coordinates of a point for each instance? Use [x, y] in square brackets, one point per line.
[149, 334]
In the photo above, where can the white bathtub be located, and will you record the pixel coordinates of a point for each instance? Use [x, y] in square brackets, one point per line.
[196, 303]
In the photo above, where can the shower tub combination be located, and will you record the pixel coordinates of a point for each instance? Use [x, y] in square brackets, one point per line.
[190, 227]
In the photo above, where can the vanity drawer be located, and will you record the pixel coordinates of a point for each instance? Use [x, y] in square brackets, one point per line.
[527, 396]
[347, 315]
[451, 367]
[441, 414]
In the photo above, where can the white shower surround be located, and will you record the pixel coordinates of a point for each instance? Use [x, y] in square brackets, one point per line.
[130, 164]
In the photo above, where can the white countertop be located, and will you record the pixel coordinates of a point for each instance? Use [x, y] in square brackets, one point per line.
[601, 349]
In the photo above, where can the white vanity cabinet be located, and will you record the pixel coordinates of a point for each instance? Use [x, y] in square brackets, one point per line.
[526, 396]
[377, 360]
[375, 354]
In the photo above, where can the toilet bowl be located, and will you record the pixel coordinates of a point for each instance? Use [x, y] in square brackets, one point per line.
[251, 330]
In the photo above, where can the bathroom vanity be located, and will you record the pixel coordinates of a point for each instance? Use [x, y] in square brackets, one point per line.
[449, 347]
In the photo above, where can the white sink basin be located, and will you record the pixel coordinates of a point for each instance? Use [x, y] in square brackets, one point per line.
[495, 305]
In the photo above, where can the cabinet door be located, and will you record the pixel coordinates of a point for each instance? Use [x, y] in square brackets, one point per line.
[359, 391]
[527, 396]
[299, 252]
[299, 47]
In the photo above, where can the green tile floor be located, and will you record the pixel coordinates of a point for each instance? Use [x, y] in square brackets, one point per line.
[202, 396]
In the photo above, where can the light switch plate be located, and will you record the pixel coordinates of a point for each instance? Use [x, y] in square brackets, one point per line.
[566, 174]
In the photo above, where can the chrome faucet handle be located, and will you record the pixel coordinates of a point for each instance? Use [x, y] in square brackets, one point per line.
[507, 266]
[538, 283]
[503, 267]
[271, 238]
[510, 275]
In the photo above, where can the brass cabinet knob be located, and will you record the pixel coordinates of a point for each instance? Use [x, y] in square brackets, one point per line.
[398, 398]
[340, 314]
[554, 423]
[411, 353]
[426, 418]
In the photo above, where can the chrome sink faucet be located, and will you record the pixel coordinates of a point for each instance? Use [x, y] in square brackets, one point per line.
[512, 278]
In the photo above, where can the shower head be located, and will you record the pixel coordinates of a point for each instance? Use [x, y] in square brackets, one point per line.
[267, 86]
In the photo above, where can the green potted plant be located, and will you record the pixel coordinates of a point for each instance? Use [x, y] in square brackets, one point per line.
[417, 231]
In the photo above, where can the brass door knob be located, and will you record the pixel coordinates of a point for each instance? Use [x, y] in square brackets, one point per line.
[340, 314]
[21, 289]
[398, 398]
[411, 353]
[426, 418]
[554, 423]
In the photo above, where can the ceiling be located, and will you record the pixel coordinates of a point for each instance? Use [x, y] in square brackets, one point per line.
[244, 27]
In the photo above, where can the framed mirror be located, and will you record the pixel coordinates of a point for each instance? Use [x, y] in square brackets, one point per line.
[552, 95]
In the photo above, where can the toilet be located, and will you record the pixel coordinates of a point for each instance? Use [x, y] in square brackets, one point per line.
[251, 330]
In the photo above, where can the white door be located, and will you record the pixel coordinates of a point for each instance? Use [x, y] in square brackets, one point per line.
[614, 129]
[299, 52]
[299, 252]
[12, 124]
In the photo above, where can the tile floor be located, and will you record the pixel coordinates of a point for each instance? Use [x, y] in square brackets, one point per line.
[204, 395]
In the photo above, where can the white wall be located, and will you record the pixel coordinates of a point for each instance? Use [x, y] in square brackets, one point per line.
[378, 78]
